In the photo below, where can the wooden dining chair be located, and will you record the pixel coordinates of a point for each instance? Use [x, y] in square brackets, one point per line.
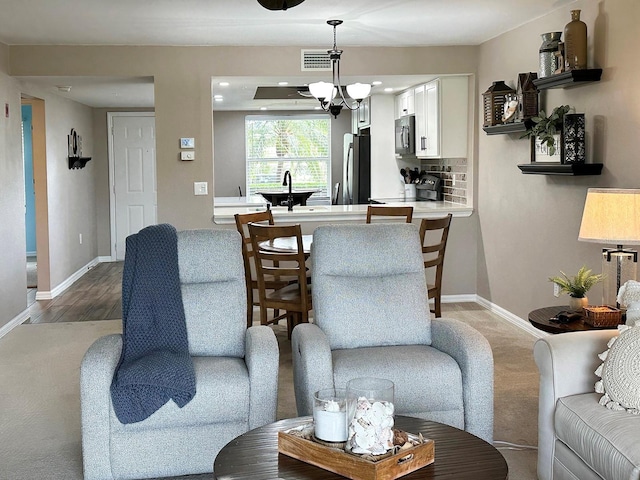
[242, 221]
[295, 297]
[386, 211]
[434, 248]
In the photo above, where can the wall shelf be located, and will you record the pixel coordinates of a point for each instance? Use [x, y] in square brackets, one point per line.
[567, 169]
[514, 127]
[568, 79]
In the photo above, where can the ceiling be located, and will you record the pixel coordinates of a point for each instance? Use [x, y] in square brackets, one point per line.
[245, 22]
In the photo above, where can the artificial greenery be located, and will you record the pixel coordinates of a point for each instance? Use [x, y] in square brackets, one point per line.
[578, 285]
[546, 127]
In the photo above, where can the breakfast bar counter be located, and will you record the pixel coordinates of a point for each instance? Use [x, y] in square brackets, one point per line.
[224, 211]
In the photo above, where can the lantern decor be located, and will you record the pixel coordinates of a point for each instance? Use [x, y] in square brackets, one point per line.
[527, 96]
[574, 138]
[494, 100]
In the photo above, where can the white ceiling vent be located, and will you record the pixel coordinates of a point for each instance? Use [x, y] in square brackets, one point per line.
[316, 60]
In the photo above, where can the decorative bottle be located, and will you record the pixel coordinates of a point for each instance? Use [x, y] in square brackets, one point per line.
[575, 43]
[548, 51]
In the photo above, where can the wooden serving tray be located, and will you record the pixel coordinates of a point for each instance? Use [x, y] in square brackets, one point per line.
[353, 466]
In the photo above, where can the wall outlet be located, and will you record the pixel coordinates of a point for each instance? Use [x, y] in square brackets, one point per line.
[556, 290]
[188, 155]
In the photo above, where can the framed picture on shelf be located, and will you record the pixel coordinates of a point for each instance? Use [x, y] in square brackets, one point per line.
[540, 151]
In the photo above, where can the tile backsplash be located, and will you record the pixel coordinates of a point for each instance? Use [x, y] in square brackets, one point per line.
[454, 174]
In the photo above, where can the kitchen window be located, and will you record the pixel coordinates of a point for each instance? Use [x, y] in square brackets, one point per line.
[299, 143]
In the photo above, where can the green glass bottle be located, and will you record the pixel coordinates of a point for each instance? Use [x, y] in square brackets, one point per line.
[575, 43]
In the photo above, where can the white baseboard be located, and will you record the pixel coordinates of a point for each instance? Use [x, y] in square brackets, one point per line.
[511, 318]
[49, 295]
[14, 322]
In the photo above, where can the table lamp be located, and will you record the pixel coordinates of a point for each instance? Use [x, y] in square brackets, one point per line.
[612, 215]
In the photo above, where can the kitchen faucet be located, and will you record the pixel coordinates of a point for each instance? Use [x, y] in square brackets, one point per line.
[290, 196]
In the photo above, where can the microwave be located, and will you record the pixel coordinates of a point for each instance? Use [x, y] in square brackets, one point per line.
[405, 135]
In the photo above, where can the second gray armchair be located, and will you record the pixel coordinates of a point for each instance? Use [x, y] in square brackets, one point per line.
[372, 319]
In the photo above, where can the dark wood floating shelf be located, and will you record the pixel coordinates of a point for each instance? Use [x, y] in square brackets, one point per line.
[568, 79]
[78, 162]
[567, 169]
[514, 127]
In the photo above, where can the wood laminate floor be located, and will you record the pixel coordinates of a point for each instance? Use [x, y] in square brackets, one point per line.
[97, 295]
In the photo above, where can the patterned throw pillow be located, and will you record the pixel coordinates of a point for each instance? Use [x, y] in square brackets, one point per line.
[620, 371]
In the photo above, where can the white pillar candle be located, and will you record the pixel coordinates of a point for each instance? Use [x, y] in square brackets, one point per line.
[330, 425]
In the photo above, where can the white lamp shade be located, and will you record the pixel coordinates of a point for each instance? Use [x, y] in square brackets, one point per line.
[611, 215]
[322, 90]
[358, 91]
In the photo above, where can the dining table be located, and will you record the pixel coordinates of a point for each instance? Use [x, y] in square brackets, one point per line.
[287, 244]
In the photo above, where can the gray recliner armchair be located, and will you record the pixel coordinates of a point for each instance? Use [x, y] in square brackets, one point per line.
[372, 319]
[236, 375]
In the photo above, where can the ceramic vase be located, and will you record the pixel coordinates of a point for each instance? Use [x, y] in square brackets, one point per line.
[575, 43]
[577, 304]
[548, 57]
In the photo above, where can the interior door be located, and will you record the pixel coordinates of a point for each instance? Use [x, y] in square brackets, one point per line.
[134, 176]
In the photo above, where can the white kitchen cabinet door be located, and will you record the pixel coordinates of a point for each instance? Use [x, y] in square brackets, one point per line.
[427, 111]
[405, 104]
[442, 108]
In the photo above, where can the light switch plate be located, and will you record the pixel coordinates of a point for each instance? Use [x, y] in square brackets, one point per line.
[188, 155]
[187, 143]
[200, 188]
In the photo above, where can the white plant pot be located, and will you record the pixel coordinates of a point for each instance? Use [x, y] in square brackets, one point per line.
[577, 304]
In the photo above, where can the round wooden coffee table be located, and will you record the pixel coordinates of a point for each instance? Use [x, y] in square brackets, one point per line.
[459, 455]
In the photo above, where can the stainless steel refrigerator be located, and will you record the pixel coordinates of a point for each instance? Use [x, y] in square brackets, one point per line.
[356, 178]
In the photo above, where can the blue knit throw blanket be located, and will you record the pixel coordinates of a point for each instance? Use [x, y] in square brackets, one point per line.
[155, 365]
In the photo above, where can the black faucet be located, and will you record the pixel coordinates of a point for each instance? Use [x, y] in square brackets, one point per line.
[290, 196]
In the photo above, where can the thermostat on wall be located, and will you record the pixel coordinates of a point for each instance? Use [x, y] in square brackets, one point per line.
[187, 143]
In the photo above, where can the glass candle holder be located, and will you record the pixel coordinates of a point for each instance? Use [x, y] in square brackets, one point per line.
[370, 412]
[330, 415]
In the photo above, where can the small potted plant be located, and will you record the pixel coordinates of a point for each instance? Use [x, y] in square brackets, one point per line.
[577, 286]
[546, 127]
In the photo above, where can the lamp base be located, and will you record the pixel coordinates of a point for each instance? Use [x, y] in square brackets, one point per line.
[618, 266]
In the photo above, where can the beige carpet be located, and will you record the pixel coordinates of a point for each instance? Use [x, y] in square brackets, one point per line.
[40, 404]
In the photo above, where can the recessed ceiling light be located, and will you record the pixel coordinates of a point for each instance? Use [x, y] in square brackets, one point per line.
[64, 88]
[376, 82]
[317, 108]
[217, 96]
[224, 84]
[283, 83]
[263, 108]
[388, 89]
[218, 99]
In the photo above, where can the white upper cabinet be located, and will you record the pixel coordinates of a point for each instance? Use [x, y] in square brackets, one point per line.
[405, 104]
[442, 113]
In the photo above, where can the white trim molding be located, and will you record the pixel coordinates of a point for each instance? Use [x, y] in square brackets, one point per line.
[14, 322]
[49, 295]
[511, 318]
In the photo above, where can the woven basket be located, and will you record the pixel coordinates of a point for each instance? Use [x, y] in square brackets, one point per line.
[603, 316]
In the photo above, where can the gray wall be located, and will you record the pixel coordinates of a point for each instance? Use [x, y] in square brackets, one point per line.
[529, 223]
[13, 276]
[229, 148]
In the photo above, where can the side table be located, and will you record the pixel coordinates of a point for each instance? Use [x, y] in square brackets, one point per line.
[541, 319]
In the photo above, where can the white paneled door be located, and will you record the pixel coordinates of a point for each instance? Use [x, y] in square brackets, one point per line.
[134, 193]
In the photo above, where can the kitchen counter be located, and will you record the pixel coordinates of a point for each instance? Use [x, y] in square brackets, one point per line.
[223, 212]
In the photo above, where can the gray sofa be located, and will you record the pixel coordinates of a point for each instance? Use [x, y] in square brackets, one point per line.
[372, 319]
[236, 375]
[577, 437]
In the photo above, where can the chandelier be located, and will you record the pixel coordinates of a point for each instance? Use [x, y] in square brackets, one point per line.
[331, 95]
